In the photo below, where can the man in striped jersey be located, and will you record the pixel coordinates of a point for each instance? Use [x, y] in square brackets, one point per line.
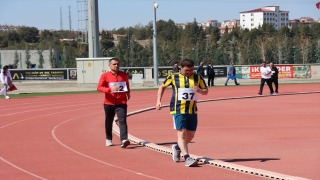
[183, 106]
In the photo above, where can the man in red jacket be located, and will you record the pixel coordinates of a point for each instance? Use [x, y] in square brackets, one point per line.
[115, 85]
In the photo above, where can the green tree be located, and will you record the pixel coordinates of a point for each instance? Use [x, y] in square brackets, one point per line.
[16, 59]
[29, 34]
[27, 57]
[51, 57]
[40, 59]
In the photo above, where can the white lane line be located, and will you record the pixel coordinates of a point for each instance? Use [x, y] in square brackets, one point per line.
[92, 158]
[47, 109]
[13, 165]
[44, 116]
[18, 106]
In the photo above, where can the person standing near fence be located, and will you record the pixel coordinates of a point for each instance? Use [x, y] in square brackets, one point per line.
[231, 74]
[115, 85]
[274, 75]
[210, 72]
[175, 68]
[6, 80]
[186, 86]
[200, 69]
[265, 77]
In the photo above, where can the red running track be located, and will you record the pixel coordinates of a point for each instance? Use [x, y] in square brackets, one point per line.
[62, 137]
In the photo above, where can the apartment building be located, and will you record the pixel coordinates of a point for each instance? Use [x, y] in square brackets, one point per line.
[270, 14]
[233, 22]
[208, 23]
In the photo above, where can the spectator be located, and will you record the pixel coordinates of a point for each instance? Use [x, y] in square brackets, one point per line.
[200, 69]
[211, 74]
[175, 68]
[231, 74]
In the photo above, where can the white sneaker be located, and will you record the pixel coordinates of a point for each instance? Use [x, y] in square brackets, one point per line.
[125, 143]
[109, 143]
[7, 97]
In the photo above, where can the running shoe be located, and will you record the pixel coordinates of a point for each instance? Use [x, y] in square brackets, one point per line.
[175, 153]
[190, 162]
[125, 143]
[109, 143]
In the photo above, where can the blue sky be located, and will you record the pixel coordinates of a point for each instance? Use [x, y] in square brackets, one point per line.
[45, 14]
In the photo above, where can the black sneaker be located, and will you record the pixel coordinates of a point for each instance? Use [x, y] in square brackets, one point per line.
[125, 143]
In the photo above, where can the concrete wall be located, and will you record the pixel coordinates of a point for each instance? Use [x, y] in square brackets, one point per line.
[7, 58]
[315, 72]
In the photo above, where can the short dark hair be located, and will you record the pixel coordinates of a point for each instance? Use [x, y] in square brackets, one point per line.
[187, 62]
[5, 67]
[263, 61]
[113, 59]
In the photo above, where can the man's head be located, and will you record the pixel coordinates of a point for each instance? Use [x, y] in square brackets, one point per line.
[210, 63]
[114, 65]
[5, 68]
[263, 63]
[187, 67]
[232, 63]
[201, 63]
[271, 64]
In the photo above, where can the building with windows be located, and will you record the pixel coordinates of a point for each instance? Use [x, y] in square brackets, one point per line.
[208, 23]
[270, 15]
[233, 22]
[302, 21]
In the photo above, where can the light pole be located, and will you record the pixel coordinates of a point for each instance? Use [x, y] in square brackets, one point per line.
[155, 56]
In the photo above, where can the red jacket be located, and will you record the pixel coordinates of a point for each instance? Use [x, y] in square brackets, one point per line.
[110, 97]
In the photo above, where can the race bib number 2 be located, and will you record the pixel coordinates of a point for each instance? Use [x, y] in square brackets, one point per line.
[187, 94]
[122, 86]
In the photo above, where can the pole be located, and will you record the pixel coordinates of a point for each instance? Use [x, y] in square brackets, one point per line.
[93, 32]
[155, 57]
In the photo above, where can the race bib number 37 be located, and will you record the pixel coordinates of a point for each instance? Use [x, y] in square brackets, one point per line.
[122, 86]
[187, 94]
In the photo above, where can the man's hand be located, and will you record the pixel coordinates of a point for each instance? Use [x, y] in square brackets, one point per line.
[158, 106]
[196, 88]
[114, 88]
[128, 96]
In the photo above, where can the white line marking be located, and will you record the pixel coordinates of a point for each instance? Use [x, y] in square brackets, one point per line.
[46, 109]
[84, 155]
[2, 159]
[43, 116]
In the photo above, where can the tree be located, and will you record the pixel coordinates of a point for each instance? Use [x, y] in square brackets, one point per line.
[41, 60]
[215, 35]
[29, 34]
[51, 58]
[261, 44]
[16, 59]
[27, 57]
[304, 46]
[14, 37]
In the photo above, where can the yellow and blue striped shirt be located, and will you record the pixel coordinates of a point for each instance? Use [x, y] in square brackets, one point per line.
[178, 80]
